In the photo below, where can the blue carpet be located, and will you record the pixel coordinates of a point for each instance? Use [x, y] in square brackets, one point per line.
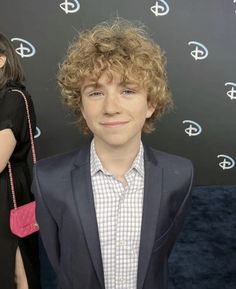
[204, 256]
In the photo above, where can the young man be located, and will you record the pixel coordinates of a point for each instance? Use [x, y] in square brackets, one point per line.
[109, 213]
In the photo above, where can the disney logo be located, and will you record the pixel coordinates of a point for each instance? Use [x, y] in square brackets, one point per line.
[70, 6]
[38, 133]
[227, 163]
[232, 92]
[193, 129]
[161, 8]
[200, 52]
[26, 49]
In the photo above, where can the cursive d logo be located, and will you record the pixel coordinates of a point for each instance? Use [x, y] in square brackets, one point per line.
[161, 8]
[193, 129]
[38, 132]
[232, 92]
[200, 52]
[26, 49]
[227, 163]
[70, 6]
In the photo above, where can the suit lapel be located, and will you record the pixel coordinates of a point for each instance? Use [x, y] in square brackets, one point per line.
[83, 195]
[151, 204]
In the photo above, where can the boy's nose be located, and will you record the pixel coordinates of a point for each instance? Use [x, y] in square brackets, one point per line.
[111, 104]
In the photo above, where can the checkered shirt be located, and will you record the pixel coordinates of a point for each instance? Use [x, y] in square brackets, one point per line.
[119, 216]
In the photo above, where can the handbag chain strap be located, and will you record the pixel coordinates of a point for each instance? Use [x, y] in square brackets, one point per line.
[32, 149]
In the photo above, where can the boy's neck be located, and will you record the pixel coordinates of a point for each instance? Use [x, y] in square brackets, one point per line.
[117, 160]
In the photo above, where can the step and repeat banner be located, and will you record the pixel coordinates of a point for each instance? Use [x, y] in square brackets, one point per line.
[199, 39]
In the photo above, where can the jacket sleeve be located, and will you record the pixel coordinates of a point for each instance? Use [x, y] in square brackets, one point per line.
[182, 212]
[47, 226]
[184, 207]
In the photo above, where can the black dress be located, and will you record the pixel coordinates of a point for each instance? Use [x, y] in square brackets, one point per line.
[13, 115]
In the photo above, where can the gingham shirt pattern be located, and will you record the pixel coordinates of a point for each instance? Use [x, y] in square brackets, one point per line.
[119, 216]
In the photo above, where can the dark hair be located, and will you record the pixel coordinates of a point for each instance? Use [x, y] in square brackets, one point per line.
[12, 70]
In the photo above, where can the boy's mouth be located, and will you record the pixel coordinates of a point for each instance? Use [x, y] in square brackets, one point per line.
[114, 123]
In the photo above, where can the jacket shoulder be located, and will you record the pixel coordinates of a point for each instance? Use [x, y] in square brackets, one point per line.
[57, 165]
[170, 160]
[177, 171]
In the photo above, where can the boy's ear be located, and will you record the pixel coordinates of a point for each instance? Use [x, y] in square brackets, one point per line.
[3, 59]
[150, 110]
[82, 111]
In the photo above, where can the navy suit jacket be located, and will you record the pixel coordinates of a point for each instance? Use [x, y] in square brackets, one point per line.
[66, 215]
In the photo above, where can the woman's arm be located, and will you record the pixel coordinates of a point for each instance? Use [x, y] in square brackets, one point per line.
[7, 146]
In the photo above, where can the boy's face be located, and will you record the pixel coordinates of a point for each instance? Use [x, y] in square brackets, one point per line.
[115, 112]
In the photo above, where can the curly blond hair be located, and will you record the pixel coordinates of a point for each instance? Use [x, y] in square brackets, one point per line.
[118, 46]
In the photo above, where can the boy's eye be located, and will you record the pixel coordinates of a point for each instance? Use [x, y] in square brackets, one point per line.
[95, 93]
[128, 91]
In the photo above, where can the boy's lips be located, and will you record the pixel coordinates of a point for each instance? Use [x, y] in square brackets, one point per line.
[114, 123]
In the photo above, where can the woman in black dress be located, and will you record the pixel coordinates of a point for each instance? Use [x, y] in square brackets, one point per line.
[18, 256]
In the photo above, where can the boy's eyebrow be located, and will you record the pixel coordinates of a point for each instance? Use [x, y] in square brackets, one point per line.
[132, 83]
[96, 84]
[91, 84]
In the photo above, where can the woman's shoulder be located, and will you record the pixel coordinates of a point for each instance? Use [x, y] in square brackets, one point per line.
[10, 94]
[11, 84]
[11, 99]
[13, 111]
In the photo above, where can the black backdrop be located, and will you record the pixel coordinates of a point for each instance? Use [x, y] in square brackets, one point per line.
[199, 38]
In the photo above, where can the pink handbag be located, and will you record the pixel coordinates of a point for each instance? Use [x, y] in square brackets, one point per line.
[22, 219]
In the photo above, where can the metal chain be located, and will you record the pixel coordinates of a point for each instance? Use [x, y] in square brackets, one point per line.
[32, 149]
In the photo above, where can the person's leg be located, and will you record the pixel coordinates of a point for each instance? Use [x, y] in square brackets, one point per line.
[20, 276]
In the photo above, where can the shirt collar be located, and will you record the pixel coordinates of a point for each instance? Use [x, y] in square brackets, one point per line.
[95, 162]
[96, 165]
